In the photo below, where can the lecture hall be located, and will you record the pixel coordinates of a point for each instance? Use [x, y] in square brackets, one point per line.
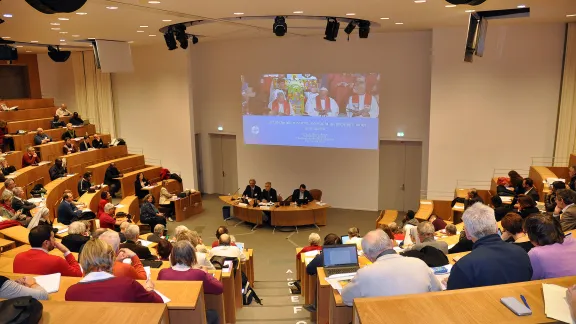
[262, 162]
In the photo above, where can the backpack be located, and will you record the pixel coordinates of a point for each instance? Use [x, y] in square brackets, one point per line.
[21, 310]
[248, 293]
[430, 255]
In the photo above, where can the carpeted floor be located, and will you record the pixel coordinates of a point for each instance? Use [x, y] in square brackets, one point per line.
[274, 256]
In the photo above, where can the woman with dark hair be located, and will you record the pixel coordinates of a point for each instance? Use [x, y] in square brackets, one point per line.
[527, 206]
[388, 232]
[502, 187]
[140, 183]
[513, 232]
[149, 214]
[516, 182]
[439, 223]
[164, 248]
[553, 252]
[330, 239]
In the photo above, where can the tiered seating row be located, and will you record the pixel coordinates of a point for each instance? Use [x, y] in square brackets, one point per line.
[21, 142]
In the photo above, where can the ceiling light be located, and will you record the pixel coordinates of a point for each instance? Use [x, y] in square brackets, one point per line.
[82, 13]
[170, 40]
[419, 1]
[55, 28]
[139, 31]
[33, 41]
[450, 6]
[62, 40]
[28, 51]
[573, 15]
[194, 39]
[471, 10]
[151, 35]
[63, 32]
[166, 20]
[350, 28]
[399, 23]
[332, 27]
[112, 8]
[19, 46]
[238, 13]
[7, 15]
[521, 6]
[75, 35]
[153, 2]
[279, 27]
[298, 12]
[63, 44]
[143, 26]
[91, 38]
[62, 18]
[384, 18]
[5, 37]
[55, 24]
[181, 36]
[350, 14]
[363, 28]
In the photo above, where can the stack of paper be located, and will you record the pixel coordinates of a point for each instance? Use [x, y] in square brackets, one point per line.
[119, 206]
[555, 304]
[339, 281]
[64, 230]
[50, 283]
[320, 203]
[145, 243]
[265, 207]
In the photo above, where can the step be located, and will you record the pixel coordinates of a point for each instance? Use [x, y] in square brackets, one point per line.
[263, 292]
[288, 301]
[271, 314]
[271, 284]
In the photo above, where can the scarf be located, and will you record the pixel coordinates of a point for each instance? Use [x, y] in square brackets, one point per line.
[319, 104]
[367, 101]
[276, 107]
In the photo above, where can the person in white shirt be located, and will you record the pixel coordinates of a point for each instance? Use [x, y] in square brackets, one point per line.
[280, 106]
[361, 104]
[202, 260]
[322, 105]
[226, 250]
[389, 274]
[63, 111]
[354, 237]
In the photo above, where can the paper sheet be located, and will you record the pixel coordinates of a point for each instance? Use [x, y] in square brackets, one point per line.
[264, 207]
[148, 272]
[119, 206]
[320, 203]
[311, 253]
[64, 230]
[339, 281]
[50, 283]
[425, 203]
[35, 200]
[555, 304]
[165, 299]
[145, 243]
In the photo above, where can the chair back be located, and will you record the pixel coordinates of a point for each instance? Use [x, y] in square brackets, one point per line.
[316, 194]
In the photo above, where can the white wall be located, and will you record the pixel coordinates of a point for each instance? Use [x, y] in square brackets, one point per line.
[153, 109]
[497, 112]
[348, 178]
[57, 81]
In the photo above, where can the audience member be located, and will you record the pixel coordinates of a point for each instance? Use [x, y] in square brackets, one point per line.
[57, 170]
[224, 249]
[530, 190]
[77, 236]
[30, 158]
[572, 174]
[67, 211]
[41, 217]
[108, 219]
[149, 214]
[439, 223]
[19, 202]
[426, 232]
[6, 167]
[100, 285]
[69, 133]
[132, 233]
[105, 198]
[221, 230]
[110, 179]
[398, 233]
[553, 252]
[41, 137]
[96, 234]
[354, 237]
[500, 210]
[68, 147]
[318, 261]
[140, 183]
[134, 269]
[388, 232]
[502, 185]
[516, 181]
[526, 206]
[301, 194]
[5, 141]
[166, 200]
[123, 227]
[409, 219]
[97, 142]
[38, 261]
[389, 274]
[181, 228]
[157, 235]
[76, 120]
[6, 209]
[565, 209]
[164, 248]
[85, 144]
[550, 199]
[57, 123]
[85, 183]
[23, 287]
[269, 194]
[313, 245]
[63, 111]
[492, 261]
[513, 231]
[472, 197]
[451, 230]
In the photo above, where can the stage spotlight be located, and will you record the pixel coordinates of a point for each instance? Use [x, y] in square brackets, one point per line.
[1, 21]
[180, 31]
[194, 39]
[57, 55]
[170, 40]
[279, 27]
[351, 25]
[363, 28]
[332, 26]
[466, 2]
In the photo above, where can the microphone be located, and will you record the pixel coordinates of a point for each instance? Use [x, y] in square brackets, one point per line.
[234, 194]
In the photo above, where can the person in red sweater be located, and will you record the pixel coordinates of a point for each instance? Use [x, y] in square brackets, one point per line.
[30, 157]
[38, 261]
[107, 219]
[398, 233]
[104, 199]
[135, 270]
[100, 285]
[221, 230]
[314, 241]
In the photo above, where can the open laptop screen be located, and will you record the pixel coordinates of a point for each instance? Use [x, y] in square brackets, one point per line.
[340, 255]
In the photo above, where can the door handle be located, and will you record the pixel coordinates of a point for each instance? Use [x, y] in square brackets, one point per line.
[403, 187]
[223, 174]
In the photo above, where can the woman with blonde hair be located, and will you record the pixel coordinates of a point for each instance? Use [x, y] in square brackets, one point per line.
[6, 167]
[100, 285]
[166, 201]
[354, 237]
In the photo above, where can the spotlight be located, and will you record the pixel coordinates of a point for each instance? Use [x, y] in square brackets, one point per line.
[57, 55]
[332, 27]
[364, 28]
[170, 40]
[351, 25]
[180, 31]
[466, 2]
[279, 28]
[194, 39]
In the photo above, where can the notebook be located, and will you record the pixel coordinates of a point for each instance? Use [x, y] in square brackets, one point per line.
[50, 283]
[555, 304]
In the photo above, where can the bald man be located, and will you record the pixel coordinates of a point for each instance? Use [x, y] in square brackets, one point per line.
[226, 250]
[41, 137]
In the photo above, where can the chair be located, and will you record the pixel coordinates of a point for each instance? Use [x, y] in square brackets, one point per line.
[316, 194]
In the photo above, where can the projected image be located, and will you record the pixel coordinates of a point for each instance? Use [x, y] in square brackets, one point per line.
[337, 110]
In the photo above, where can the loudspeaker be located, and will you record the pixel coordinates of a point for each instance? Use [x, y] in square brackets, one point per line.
[466, 2]
[60, 56]
[8, 53]
[56, 6]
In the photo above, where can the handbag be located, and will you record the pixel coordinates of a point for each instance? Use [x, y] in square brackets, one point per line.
[21, 310]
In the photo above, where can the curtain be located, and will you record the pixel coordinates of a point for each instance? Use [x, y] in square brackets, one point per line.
[93, 93]
[566, 130]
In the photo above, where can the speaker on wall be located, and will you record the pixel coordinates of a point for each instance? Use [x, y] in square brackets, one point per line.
[56, 6]
[8, 53]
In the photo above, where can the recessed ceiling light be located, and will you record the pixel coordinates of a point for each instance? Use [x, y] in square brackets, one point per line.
[5, 37]
[112, 8]
[298, 12]
[63, 32]
[471, 10]
[152, 35]
[521, 6]
[55, 28]
[91, 38]
[62, 40]
[153, 2]
[19, 46]
[33, 41]
[350, 14]
[399, 23]
[63, 44]
[139, 31]
[573, 15]
[143, 26]
[81, 13]
[55, 24]
[28, 51]
[62, 18]
[7, 15]
[419, 1]
[450, 6]
[166, 20]
[238, 13]
[384, 18]
[75, 35]
[130, 42]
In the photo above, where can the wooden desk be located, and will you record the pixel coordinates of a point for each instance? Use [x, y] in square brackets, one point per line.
[482, 305]
[91, 200]
[26, 114]
[16, 233]
[6, 245]
[32, 124]
[131, 206]
[539, 174]
[297, 267]
[55, 191]
[281, 216]
[21, 142]
[50, 151]
[425, 210]
[77, 162]
[188, 207]
[386, 217]
[127, 181]
[229, 297]
[14, 158]
[29, 103]
[124, 164]
[58, 312]
[31, 175]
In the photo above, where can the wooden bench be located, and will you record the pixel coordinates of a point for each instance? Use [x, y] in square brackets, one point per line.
[92, 200]
[539, 174]
[386, 217]
[127, 181]
[131, 205]
[26, 114]
[77, 162]
[21, 142]
[14, 158]
[124, 164]
[29, 103]
[32, 124]
[29, 176]
[53, 150]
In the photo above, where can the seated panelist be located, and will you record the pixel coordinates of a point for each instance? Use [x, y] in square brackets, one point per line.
[252, 190]
[269, 194]
[301, 194]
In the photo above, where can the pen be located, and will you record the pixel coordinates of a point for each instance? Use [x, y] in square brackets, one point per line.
[524, 300]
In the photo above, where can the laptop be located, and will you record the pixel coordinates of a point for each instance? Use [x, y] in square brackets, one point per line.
[339, 259]
[345, 238]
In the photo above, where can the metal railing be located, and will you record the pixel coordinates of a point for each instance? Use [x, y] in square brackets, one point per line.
[152, 161]
[504, 172]
[135, 150]
[436, 195]
[550, 161]
[477, 184]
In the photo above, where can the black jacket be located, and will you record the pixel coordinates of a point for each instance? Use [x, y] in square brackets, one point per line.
[98, 143]
[67, 212]
[142, 251]
[57, 172]
[296, 195]
[74, 242]
[57, 124]
[140, 193]
[83, 186]
[38, 139]
[317, 262]
[76, 121]
[26, 206]
[84, 146]
[550, 202]
[8, 170]
[528, 211]
[111, 173]
[503, 191]
[491, 262]
[500, 212]
[572, 183]
[270, 196]
[68, 134]
[257, 193]
[533, 192]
